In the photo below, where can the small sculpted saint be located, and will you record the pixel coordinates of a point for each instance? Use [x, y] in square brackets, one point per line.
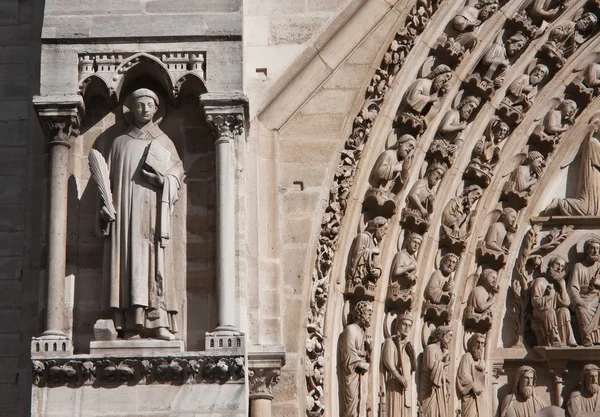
[145, 177]
[470, 379]
[499, 236]
[526, 175]
[523, 400]
[586, 401]
[434, 384]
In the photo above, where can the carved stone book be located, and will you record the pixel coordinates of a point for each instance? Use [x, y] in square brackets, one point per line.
[158, 158]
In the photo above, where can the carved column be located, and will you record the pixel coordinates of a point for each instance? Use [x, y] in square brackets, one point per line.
[558, 368]
[264, 369]
[226, 115]
[60, 117]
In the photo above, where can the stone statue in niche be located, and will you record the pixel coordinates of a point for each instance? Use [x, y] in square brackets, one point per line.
[145, 175]
[363, 265]
[585, 402]
[495, 63]
[518, 187]
[403, 275]
[450, 133]
[355, 355]
[522, 401]
[550, 304]
[471, 380]
[584, 291]
[434, 389]
[420, 199]
[478, 313]
[389, 169]
[521, 93]
[457, 218]
[548, 133]
[399, 363]
[587, 202]
[566, 37]
[425, 91]
[486, 153]
[439, 290]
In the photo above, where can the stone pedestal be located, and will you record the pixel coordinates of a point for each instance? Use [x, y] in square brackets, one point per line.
[136, 348]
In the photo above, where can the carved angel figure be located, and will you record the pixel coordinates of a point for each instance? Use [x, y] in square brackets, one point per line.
[434, 389]
[449, 136]
[566, 37]
[585, 402]
[354, 356]
[459, 212]
[486, 153]
[522, 91]
[550, 303]
[471, 380]
[524, 176]
[363, 264]
[523, 400]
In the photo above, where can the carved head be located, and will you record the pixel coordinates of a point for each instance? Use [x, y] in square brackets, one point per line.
[442, 335]
[515, 43]
[413, 243]
[143, 104]
[467, 106]
[591, 383]
[509, 218]
[448, 264]
[489, 280]
[537, 74]
[592, 249]
[377, 227]
[487, 8]
[404, 323]
[435, 172]
[525, 382]
[500, 131]
[476, 346]
[535, 160]
[586, 22]
[362, 313]
[471, 195]
[556, 268]
[568, 109]
[440, 75]
[406, 145]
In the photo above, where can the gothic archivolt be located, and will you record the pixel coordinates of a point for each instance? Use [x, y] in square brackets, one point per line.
[457, 267]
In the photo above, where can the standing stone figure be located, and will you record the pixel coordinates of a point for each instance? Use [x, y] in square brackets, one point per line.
[550, 303]
[389, 164]
[523, 401]
[470, 379]
[587, 202]
[566, 37]
[425, 90]
[434, 387]
[522, 91]
[404, 264]
[459, 212]
[469, 18]
[399, 363]
[420, 199]
[145, 176]
[500, 234]
[526, 175]
[439, 289]
[584, 291]
[497, 57]
[484, 295]
[586, 401]
[354, 354]
[486, 153]
[363, 264]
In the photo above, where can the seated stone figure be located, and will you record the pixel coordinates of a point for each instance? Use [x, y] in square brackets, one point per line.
[478, 314]
[566, 37]
[518, 186]
[547, 134]
[521, 93]
[469, 18]
[499, 236]
[457, 218]
[588, 84]
[486, 153]
[439, 289]
[420, 199]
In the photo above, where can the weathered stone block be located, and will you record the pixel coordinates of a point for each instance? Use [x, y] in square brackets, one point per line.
[104, 330]
[294, 29]
[187, 6]
[307, 152]
[14, 110]
[330, 102]
[297, 230]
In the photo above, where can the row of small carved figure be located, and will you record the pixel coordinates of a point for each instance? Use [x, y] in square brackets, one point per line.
[133, 371]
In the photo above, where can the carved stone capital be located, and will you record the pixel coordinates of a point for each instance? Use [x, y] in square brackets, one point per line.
[226, 114]
[60, 117]
[264, 369]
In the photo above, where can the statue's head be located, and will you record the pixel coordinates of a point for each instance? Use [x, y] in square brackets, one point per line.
[361, 314]
[515, 43]
[404, 323]
[556, 268]
[489, 280]
[472, 194]
[509, 218]
[143, 104]
[591, 248]
[442, 335]
[586, 22]
[406, 145]
[377, 227]
[537, 74]
[487, 8]
[568, 108]
[476, 346]
[440, 75]
[435, 172]
[535, 160]
[591, 375]
[500, 131]
[525, 383]
[448, 263]
[413, 242]
[467, 106]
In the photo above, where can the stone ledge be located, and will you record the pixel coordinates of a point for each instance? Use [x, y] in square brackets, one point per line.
[136, 348]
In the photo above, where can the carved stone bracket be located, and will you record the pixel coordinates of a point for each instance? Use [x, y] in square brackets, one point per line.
[60, 117]
[226, 114]
[196, 369]
[264, 369]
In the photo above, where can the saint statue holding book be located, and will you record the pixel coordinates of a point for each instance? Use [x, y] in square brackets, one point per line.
[142, 177]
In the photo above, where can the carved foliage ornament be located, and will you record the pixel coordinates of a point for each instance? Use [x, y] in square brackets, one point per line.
[262, 380]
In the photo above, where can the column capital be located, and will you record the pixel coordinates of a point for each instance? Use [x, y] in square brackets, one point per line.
[264, 369]
[226, 114]
[60, 116]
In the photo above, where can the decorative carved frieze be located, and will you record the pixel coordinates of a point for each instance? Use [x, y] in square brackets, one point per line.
[136, 370]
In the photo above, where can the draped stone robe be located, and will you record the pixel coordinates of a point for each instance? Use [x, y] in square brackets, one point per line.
[466, 379]
[433, 384]
[138, 264]
[585, 299]
[581, 403]
[351, 353]
[396, 360]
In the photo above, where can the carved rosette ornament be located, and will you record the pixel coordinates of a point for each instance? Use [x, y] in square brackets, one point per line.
[262, 381]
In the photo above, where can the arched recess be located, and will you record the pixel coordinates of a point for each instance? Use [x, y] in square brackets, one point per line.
[346, 216]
